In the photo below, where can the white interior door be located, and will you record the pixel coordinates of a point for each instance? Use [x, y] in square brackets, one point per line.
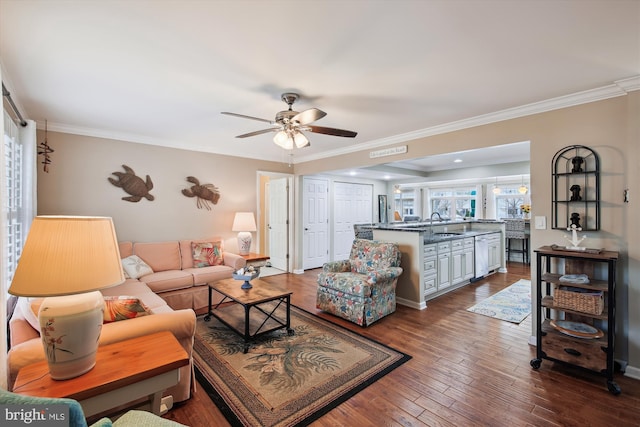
[352, 204]
[278, 223]
[315, 222]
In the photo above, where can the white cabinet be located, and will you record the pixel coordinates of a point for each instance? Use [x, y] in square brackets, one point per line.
[495, 250]
[444, 265]
[462, 261]
[430, 269]
[468, 259]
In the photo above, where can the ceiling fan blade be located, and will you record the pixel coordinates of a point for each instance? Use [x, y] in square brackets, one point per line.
[247, 117]
[308, 116]
[258, 132]
[332, 131]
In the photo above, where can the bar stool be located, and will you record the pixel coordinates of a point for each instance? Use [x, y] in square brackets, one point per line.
[515, 230]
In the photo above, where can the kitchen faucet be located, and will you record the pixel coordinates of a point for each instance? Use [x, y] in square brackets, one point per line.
[431, 221]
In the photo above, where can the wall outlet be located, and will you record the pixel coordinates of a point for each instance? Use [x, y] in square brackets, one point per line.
[541, 222]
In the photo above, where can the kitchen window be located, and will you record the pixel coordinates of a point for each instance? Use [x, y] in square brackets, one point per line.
[454, 203]
[509, 202]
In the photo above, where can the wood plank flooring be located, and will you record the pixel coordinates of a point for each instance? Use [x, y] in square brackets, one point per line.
[467, 370]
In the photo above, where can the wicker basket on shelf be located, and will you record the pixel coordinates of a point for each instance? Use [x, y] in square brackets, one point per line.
[590, 303]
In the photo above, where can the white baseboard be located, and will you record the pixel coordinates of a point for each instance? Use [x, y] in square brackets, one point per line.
[533, 340]
[298, 271]
[632, 372]
[411, 304]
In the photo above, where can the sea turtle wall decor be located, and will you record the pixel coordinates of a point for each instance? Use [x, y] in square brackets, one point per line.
[204, 193]
[132, 184]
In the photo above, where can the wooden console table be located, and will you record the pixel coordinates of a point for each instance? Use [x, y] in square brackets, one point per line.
[124, 372]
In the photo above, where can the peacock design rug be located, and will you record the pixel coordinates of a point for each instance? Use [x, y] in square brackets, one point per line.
[287, 380]
[512, 304]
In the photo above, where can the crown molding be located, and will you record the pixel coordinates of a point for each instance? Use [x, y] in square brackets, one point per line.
[618, 88]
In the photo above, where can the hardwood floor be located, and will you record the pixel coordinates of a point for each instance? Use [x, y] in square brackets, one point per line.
[467, 370]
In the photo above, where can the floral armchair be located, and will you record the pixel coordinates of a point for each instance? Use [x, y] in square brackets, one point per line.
[361, 289]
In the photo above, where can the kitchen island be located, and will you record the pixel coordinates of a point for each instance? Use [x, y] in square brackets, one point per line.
[440, 257]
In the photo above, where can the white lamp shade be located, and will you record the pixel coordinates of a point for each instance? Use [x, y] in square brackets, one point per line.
[283, 140]
[67, 255]
[300, 140]
[244, 221]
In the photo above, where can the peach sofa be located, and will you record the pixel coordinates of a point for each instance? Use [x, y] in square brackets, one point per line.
[172, 293]
[174, 276]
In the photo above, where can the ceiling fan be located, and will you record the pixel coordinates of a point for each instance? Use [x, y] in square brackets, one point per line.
[290, 124]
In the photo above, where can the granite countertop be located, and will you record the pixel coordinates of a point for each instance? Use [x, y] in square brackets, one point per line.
[439, 234]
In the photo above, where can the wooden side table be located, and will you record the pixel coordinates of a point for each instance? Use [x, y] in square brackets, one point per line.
[124, 372]
[256, 260]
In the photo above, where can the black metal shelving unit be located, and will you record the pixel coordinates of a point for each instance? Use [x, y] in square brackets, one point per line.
[575, 192]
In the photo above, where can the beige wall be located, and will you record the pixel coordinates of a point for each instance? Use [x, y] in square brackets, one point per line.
[609, 127]
[77, 185]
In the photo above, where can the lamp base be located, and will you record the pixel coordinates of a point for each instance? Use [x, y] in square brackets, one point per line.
[244, 242]
[70, 327]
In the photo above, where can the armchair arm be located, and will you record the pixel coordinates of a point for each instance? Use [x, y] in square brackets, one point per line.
[385, 275]
[342, 266]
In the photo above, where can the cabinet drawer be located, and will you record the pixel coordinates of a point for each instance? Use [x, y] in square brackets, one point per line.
[430, 285]
[469, 243]
[444, 247]
[457, 245]
[590, 354]
[430, 266]
[430, 251]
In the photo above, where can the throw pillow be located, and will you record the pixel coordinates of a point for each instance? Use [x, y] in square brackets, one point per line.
[122, 308]
[207, 253]
[135, 267]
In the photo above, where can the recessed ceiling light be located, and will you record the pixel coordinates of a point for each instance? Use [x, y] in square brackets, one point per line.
[353, 173]
[457, 161]
[387, 177]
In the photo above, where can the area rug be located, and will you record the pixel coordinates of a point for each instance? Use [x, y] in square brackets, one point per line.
[287, 380]
[512, 304]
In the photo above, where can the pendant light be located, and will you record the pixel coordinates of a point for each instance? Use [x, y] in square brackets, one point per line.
[523, 188]
[496, 189]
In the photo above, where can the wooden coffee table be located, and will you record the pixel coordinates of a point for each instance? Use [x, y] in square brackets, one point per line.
[251, 312]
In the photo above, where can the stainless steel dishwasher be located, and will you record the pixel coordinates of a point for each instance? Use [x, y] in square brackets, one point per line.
[482, 256]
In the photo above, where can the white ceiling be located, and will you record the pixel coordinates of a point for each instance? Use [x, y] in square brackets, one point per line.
[161, 72]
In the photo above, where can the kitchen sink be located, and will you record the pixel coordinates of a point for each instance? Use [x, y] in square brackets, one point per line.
[446, 234]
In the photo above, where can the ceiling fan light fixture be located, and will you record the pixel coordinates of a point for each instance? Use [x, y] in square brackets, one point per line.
[300, 140]
[283, 140]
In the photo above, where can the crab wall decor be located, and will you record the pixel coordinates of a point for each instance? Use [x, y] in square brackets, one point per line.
[204, 193]
[133, 185]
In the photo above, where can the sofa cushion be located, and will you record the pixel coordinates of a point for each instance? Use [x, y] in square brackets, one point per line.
[163, 281]
[204, 275]
[140, 290]
[160, 256]
[122, 308]
[134, 267]
[126, 249]
[186, 250]
[206, 254]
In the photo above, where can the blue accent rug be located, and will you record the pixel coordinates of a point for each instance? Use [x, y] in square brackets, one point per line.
[512, 304]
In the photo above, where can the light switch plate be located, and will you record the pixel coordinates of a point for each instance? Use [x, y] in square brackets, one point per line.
[541, 222]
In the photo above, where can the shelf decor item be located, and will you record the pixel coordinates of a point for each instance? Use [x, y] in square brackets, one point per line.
[590, 302]
[68, 260]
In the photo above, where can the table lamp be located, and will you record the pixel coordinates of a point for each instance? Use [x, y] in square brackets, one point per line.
[244, 223]
[67, 259]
